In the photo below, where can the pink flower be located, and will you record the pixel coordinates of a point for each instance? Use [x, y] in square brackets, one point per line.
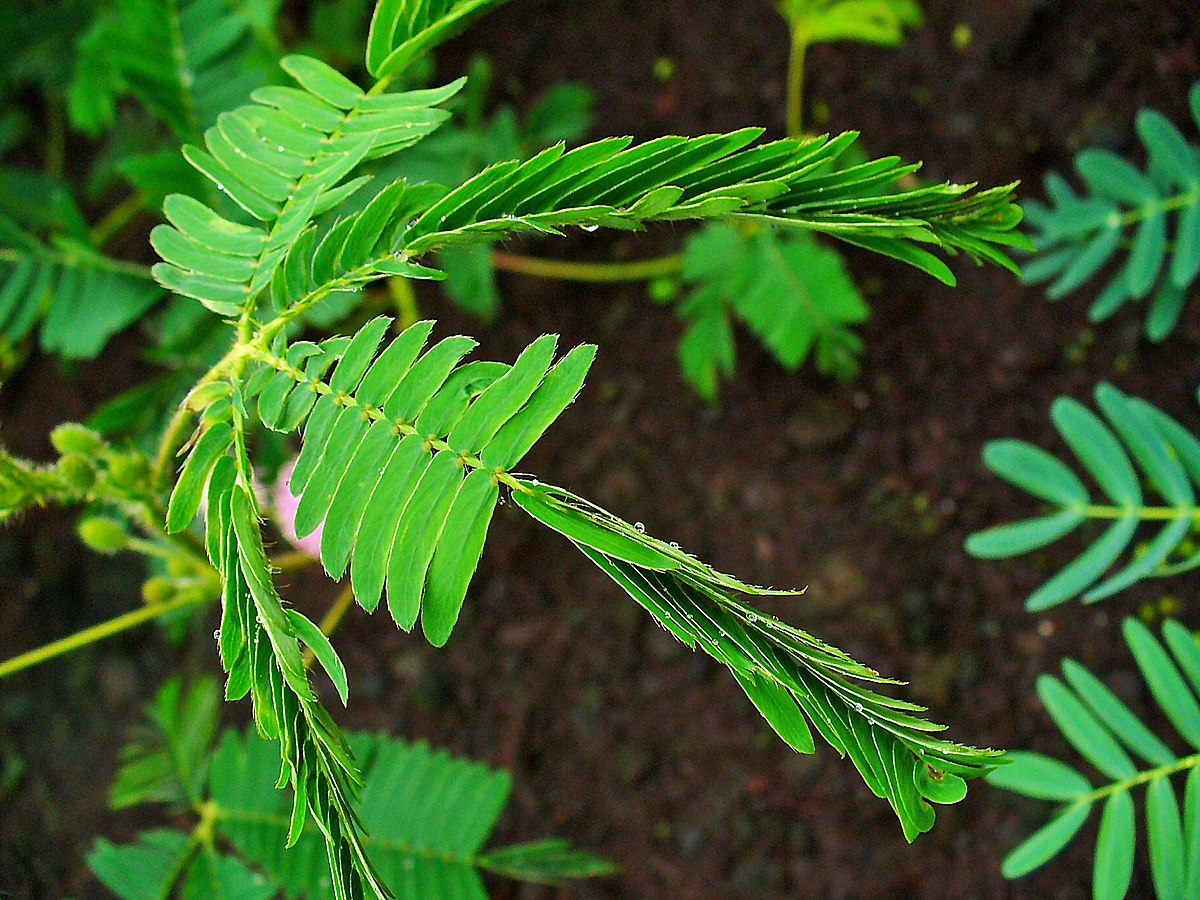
[285, 505]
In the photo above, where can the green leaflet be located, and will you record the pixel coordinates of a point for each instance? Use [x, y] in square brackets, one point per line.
[1043, 777]
[457, 554]
[582, 529]
[1046, 842]
[417, 536]
[1113, 867]
[185, 498]
[312, 637]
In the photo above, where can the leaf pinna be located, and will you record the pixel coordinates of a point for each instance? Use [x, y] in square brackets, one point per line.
[1167, 459]
[1150, 218]
[1115, 742]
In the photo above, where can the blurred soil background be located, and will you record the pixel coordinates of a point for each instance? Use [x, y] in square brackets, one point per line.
[616, 735]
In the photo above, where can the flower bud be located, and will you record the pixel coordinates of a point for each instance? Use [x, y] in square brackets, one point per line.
[71, 437]
[102, 534]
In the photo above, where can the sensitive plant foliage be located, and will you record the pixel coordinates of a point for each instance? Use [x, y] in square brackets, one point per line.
[185, 60]
[469, 143]
[1147, 220]
[406, 450]
[56, 281]
[1167, 458]
[790, 291]
[1128, 756]
[428, 813]
[869, 21]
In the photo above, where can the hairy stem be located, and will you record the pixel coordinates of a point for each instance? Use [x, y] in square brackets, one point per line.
[594, 273]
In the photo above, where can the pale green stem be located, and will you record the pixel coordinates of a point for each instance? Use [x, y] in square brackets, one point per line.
[795, 82]
[1146, 513]
[595, 272]
[116, 219]
[1177, 201]
[96, 633]
[1125, 784]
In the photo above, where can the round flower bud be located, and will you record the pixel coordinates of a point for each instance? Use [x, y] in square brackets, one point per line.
[71, 437]
[102, 534]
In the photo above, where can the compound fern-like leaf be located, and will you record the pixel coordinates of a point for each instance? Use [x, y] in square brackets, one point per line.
[1168, 464]
[186, 60]
[793, 294]
[1150, 218]
[427, 816]
[1116, 743]
[403, 30]
[284, 160]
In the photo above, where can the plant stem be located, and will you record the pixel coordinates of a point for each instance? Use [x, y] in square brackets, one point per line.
[292, 561]
[1187, 762]
[1145, 513]
[595, 273]
[331, 620]
[795, 82]
[96, 633]
[116, 219]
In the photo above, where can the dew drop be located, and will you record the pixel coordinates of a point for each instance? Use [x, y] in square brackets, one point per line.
[641, 529]
[220, 187]
[858, 707]
[675, 545]
[216, 634]
[753, 617]
[920, 751]
[591, 228]
[258, 619]
[279, 148]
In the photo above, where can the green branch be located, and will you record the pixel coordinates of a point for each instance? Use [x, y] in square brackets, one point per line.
[592, 273]
[97, 633]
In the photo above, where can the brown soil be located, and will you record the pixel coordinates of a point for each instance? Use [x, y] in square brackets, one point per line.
[616, 736]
